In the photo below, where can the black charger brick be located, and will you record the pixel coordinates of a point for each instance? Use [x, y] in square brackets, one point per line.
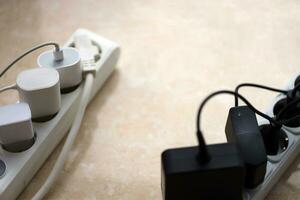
[243, 130]
[185, 178]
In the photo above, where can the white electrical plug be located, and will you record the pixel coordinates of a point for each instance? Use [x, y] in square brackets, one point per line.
[16, 130]
[87, 52]
[40, 88]
[67, 63]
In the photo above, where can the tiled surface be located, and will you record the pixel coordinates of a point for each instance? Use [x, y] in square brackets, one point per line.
[173, 54]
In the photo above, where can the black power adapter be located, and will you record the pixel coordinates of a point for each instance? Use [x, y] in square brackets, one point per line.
[243, 130]
[186, 176]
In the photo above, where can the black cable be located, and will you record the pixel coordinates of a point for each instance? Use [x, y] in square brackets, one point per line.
[287, 107]
[286, 121]
[295, 89]
[257, 86]
[291, 101]
[28, 52]
[203, 154]
[239, 96]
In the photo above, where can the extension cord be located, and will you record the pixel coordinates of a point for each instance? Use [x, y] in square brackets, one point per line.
[21, 167]
[277, 164]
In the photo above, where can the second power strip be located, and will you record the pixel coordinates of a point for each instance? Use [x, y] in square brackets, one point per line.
[279, 163]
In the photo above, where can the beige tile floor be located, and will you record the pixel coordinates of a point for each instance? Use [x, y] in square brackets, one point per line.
[173, 54]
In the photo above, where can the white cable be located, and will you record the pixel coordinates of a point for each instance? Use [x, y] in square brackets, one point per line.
[10, 87]
[57, 54]
[85, 96]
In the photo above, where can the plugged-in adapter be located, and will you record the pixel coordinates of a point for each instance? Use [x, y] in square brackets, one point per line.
[16, 130]
[184, 176]
[68, 65]
[242, 129]
[39, 87]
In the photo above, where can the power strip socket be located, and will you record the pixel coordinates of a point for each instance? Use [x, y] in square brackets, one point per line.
[21, 167]
[277, 164]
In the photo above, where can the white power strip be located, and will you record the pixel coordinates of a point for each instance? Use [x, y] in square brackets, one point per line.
[21, 167]
[278, 164]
